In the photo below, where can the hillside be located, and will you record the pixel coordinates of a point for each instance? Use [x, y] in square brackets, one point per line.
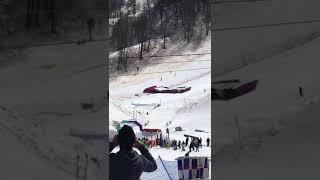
[44, 105]
[190, 110]
[277, 126]
[179, 64]
[136, 37]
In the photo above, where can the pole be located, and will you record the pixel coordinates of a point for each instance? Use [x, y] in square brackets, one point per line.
[86, 167]
[77, 166]
[239, 135]
[165, 168]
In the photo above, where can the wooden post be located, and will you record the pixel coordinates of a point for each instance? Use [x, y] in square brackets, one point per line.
[86, 167]
[77, 166]
[239, 143]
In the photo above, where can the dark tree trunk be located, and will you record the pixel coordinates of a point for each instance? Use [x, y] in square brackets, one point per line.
[29, 13]
[141, 50]
[37, 16]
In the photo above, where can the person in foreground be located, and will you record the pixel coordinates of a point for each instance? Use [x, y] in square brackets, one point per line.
[127, 164]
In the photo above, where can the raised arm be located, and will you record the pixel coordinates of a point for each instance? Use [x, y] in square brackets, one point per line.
[148, 162]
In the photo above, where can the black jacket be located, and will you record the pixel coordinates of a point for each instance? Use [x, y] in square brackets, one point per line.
[125, 165]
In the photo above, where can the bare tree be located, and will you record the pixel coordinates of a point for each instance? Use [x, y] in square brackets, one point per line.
[206, 14]
[52, 15]
[164, 30]
[150, 20]
[189, 15]
[160, 8]
[120, 40]
[132, 5]
[141, 28]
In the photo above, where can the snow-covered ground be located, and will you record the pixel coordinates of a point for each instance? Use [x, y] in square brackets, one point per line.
[44, 105]
[278, 128]
[237, 48]
[18, 162]
[189, 110]
[276, 101]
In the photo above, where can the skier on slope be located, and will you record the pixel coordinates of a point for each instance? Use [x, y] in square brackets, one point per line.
[300, 91]
[127, 164]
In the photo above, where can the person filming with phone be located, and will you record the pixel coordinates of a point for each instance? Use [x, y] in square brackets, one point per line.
[127, 164]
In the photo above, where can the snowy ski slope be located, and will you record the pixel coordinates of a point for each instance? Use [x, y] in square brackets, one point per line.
[190, 110]
[282, 58]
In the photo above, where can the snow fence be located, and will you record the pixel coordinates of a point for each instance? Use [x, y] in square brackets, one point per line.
[183, 168]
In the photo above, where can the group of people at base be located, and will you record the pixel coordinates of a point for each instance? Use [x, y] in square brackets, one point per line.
[127, 164]
[194, 145]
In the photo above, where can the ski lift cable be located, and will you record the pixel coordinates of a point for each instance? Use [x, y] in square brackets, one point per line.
[167, 62]
[53, 43]
[267, 25]
[169, 55]
[201, 60]
[237, 1]
[160, 72]
[159, 56]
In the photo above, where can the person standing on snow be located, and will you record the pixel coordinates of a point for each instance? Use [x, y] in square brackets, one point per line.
[208, 142]
[300, 91]
[193, 144]
[187, 140]
[174, 144]
[127, 164]
[167, 131]
[197, 145]
[183, 146]
[161, 140]
[190, 146]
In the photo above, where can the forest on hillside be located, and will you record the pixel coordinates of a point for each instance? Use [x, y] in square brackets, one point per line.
[135, 22]
[61, 19]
